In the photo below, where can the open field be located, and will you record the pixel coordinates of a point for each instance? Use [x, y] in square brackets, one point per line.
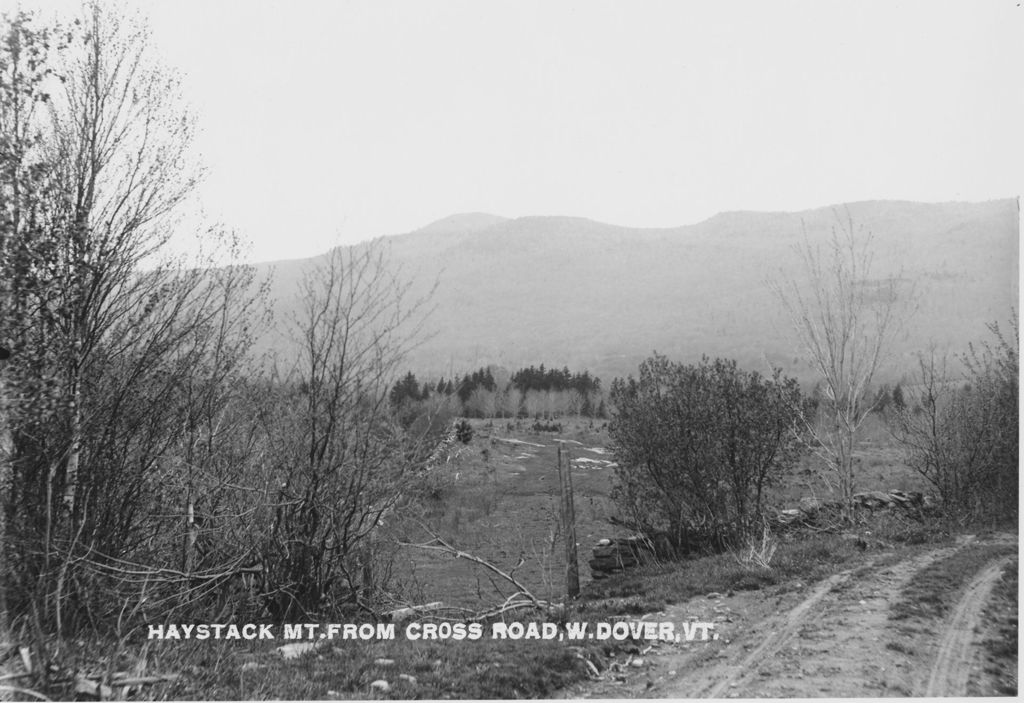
[498, 499]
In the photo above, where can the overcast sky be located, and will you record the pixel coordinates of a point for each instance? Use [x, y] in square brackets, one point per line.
[326, 121]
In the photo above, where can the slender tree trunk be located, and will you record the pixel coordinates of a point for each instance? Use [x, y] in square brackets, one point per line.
[572, 569]
[74, 449]
[191, 532]
[6, 483]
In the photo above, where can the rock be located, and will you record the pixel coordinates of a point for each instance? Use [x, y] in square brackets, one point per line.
[907, 499]
[294, 650]
[411, 680]
[810, 505]
[93, 689]
[405, 613]
[873, 499]
[714, 594]
[381, 685]
[383, 662]
[638, 662]
[613, 555]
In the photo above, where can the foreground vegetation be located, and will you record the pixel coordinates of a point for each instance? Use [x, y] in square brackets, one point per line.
[460, 669]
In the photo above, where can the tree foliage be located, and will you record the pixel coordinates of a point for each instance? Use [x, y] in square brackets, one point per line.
[697, 444]
[155, 470]
[122, 362]
[489, 392]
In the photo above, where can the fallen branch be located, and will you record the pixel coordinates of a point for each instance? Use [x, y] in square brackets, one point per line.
[8, 677]
[400, 614]
[438, 544]
[144, 680]
[24, 691]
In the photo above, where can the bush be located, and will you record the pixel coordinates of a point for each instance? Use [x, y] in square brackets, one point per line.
[697, 445]
[464, 432]
[962, 436]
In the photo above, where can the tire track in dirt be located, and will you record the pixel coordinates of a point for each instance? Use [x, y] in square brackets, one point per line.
[790, 623]
[830, 643]
[952, 666]
[835, 640]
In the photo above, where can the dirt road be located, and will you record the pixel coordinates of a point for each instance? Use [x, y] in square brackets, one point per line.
[833, 638]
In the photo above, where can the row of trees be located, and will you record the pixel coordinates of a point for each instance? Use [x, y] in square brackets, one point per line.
[528, 392]
[153, 466]
[541, 379]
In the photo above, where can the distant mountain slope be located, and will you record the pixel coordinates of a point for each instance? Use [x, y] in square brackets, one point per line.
[562, 290]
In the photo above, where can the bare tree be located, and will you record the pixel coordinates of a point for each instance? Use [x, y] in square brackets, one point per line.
[339, 458]
[845, 321]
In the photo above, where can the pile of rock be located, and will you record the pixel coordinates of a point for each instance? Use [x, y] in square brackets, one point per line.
[612, 556]
[809, 509]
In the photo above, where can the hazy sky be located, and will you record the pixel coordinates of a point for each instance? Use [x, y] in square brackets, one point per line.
[328, 121]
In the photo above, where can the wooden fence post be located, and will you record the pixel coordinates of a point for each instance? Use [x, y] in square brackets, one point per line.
[568, 511]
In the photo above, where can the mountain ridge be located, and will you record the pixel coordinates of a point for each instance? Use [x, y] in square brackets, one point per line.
[573, 291]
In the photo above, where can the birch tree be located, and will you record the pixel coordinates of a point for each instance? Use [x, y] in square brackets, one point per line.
[106, 331]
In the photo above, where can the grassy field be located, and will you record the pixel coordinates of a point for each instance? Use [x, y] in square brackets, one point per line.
[498, 499]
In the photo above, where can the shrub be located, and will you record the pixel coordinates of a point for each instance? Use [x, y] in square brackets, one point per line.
[464, 432]
[696, 446]
[962, 436]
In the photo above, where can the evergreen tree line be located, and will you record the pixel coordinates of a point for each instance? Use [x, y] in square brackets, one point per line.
[539, 379]
[529, 392]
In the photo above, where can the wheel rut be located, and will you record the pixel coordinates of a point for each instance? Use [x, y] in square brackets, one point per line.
[952, 666]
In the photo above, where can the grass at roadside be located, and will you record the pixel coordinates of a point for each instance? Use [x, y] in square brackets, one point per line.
[1000, 643]
[253, 670]
[653, 587]
[414, 669]
[935, 589]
